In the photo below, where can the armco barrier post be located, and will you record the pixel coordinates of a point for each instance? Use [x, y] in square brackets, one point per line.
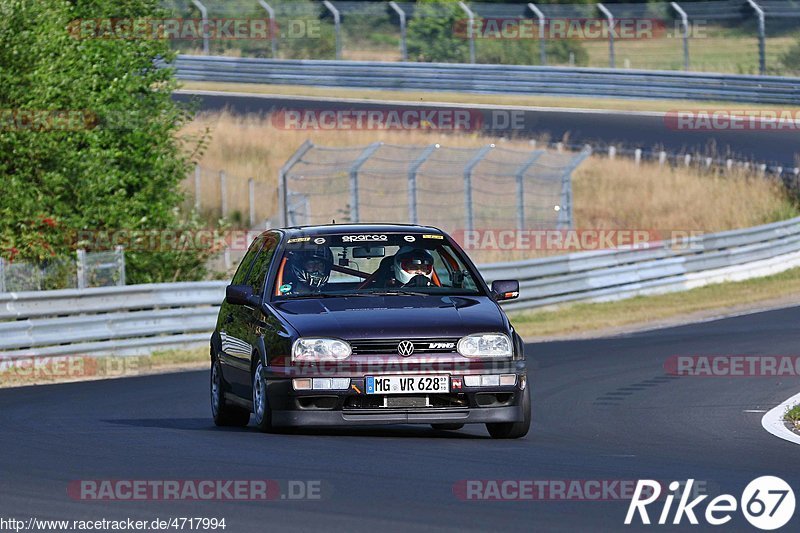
[403, 30]
[273, 27]
[81, 264]
[470, 30]
[412, 182]
[685, 27]
[762, 37]
[204, 15]
[520, 176]
[355, 215]
[119, 253]
[470, 225]
[542, 32]
[610, 17]
[337, 23]
[2, 275]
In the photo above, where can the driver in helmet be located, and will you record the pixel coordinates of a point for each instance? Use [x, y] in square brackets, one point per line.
[309, 271]
[412, 267]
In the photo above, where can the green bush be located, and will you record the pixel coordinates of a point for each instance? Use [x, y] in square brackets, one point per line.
[117, 163]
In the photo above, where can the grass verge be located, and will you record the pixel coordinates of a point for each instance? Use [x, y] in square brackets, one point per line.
[572, 102]
[25, 371]
[583, 319]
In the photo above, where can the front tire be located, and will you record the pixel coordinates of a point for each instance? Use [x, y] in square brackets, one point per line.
[223, 413]
[514, 430]
[262, 412]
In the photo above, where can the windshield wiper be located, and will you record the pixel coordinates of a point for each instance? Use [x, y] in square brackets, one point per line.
[398, 292]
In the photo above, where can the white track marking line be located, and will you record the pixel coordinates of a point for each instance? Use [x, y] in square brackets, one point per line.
[774, 423]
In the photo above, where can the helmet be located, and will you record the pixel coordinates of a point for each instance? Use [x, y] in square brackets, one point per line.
[313, 267]
[410, 262]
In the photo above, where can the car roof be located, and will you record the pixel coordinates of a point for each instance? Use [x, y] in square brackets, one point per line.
[329, 229]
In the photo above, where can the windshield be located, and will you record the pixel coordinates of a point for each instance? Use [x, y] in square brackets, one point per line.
[364, 264]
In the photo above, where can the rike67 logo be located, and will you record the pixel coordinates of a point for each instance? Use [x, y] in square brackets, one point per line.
[767, 503]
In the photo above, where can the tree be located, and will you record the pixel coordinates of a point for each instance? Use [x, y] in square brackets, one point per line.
[89, 131]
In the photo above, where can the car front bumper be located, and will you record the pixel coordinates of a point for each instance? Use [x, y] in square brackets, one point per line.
[352, 407]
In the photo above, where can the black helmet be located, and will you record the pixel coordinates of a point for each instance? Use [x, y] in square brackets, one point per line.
[312, 267]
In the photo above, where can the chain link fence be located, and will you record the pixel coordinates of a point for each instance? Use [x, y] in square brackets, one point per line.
[92, 269]
[739, 36]
[456, 189]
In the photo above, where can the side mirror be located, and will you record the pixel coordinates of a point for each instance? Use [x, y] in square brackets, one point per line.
[505, 289]
[239, 295]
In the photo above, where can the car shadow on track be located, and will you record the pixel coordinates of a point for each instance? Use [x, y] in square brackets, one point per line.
[205, 424]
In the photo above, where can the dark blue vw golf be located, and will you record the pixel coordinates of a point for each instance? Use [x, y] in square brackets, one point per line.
[359, 324]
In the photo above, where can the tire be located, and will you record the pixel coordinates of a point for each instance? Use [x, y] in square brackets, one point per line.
[262, 413]
[447, 427]
[223, 413]
[514, 430]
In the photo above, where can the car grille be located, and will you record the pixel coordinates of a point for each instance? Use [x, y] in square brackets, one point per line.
[389, 346]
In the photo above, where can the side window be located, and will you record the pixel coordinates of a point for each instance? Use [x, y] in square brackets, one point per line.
[244, 267]
[261, 265]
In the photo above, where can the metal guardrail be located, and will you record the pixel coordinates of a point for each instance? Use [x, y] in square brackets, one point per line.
[138, 318]
[499, 79]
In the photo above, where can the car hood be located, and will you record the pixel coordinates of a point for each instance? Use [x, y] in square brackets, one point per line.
[376, 317]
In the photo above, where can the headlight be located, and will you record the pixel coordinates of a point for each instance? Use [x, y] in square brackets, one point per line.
[320, 350]
[485, 345]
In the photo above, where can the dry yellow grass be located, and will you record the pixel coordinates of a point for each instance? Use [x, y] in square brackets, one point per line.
[608, 194]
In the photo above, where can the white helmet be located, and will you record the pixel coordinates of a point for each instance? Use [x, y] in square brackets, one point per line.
[410, 262]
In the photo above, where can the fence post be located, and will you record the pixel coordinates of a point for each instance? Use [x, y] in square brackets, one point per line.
[685, 24]
[565, 215]
[81, 267]
[470, 30]
[337, 22]
[355, 215]
[119, 251]
[520, 175]
[197, 188]
[2, 275]
[603, 9]
[273, 27]
[542, 32]
[251, 193]
[402, 15]
[283, 190]
[762, 37]
[468, 184]
[204, 15]
[223, 193]
[412, 182]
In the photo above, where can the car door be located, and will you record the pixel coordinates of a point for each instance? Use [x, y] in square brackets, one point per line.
[247, 327]
[233, 345]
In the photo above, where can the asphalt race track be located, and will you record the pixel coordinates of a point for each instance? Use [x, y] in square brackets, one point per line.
[648, 131]
[603, 410]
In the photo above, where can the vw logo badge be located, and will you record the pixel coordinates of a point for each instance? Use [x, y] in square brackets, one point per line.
[405, 348]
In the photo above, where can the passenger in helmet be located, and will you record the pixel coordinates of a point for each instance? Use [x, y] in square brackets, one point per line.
[310, 270]
[413, 267]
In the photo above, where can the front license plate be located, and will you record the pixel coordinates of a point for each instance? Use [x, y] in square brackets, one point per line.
[407, 384]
